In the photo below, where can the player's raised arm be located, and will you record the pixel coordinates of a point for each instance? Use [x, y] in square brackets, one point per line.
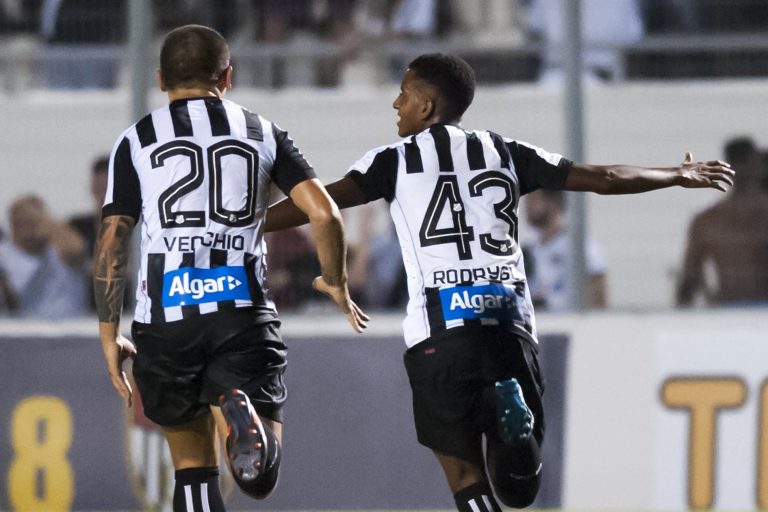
[110, 269]
[311, 199]
[285, 214]
[630, 179]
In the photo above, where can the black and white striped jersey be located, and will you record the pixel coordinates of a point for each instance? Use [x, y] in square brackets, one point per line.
[198, 173]
[453, 198]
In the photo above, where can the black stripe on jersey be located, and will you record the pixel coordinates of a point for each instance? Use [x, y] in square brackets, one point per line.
[535, 172]
[502, 149]
[126, 190]
[253, 126]
[219, 259]
[413, 161]
[434, 311]
[145, 129]
[182, 124]
[155, 273]
[217, 115]
[475, 154]
[197, 498]
[254, 288]
[193, 310]
[442, 147]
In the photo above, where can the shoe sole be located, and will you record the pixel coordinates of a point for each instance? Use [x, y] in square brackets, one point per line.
[246, 449]
[515, 419]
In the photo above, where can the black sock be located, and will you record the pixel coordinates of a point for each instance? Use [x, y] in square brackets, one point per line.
[476, 498]
[194, 486]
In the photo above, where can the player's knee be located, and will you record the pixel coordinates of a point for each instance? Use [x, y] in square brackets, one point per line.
[516, 473]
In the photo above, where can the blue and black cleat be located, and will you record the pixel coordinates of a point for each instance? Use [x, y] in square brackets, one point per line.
[515, 419]
[246, 445]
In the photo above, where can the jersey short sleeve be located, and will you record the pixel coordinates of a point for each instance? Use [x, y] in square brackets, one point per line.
[376, 173]
[537, 168]
[123, 195]
[290, 166]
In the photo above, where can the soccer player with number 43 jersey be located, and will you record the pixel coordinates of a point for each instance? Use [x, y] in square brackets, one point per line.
[208, 352]
[470, 330]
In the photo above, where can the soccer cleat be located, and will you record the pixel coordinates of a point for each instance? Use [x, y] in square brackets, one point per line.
[515, 419]
[246, 441]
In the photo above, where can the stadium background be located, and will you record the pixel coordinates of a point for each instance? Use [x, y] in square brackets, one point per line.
[626, 379]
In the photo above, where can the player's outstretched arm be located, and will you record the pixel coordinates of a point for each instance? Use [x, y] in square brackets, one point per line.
[110, 269]
[630, 179]
[311, 198]
[285, 214]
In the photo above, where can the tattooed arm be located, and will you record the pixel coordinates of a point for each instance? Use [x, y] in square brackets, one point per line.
[110, 269]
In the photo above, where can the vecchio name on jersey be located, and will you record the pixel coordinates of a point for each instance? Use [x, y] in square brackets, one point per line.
[213, 240]
[190, 285]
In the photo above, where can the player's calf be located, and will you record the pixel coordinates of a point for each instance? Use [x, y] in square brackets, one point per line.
[253, 451]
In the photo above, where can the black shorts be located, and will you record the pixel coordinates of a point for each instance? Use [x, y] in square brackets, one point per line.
[448, 375]
[183, 367]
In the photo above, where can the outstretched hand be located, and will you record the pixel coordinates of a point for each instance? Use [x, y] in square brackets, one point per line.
[713, 174]
[116, 352]
[340, 295]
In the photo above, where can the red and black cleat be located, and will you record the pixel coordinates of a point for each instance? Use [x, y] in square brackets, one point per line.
[246, 445]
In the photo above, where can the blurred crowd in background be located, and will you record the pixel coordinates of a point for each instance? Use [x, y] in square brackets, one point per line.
[323, 42]
[45, 260]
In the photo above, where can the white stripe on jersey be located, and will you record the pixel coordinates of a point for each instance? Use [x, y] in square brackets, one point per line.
[457, 225]
[203, 199]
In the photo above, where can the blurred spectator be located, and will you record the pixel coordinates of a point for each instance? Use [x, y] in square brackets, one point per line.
[764, 174]
[725, 261]
[604, 23]
[546, 259]
[376, 270]
[19, 15]
[291, 266]
[671, 16]
[87, 225]
[7, 297]
[73, 29]
[43, 263]
[281, 19]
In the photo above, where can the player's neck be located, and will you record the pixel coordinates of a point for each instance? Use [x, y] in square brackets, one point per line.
[183, 93]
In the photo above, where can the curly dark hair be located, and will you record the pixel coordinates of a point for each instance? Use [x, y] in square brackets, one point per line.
[193, 55]
[452, 77]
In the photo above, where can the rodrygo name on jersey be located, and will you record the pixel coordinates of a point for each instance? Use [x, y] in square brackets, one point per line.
[453, 197]
[198, 174]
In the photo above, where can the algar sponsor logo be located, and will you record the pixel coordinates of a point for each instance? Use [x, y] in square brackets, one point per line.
[481, 301]
[191, 285]
[183, 285]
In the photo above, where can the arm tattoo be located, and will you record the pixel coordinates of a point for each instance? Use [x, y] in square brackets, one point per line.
[110, 266]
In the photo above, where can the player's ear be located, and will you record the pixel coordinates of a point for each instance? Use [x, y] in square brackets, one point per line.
[428, 108]
[225, 80]
[159, 79]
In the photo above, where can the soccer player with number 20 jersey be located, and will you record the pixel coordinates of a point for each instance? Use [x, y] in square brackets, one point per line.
[208, 352]
[469, 327]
